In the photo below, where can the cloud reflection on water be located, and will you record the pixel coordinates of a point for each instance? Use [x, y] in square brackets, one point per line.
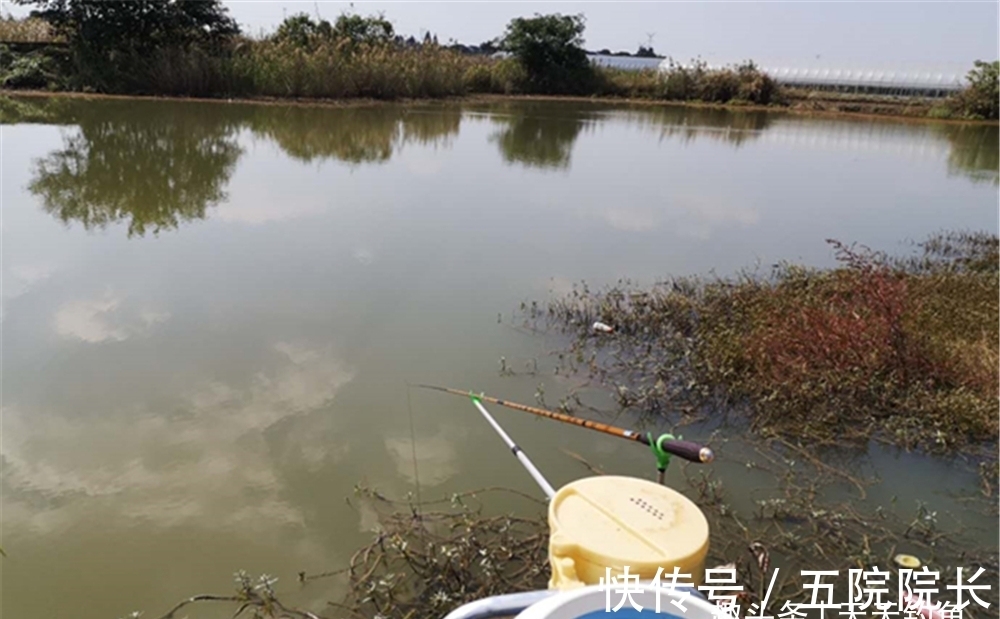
[194, 466]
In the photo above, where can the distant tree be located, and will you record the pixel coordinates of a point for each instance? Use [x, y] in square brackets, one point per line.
[300, 30]
[981, 98]
[427, 38]
[139, 26]
[604, 52]
[645, 52]
[371, 30]
[489, 47]
[111, 42]
[550, 49]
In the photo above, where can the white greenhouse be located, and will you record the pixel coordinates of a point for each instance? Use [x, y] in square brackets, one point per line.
[869, 80]
[936, 83]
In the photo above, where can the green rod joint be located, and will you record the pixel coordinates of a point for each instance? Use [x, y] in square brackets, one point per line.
[662, 457]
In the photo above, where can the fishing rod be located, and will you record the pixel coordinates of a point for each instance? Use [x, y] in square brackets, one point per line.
[518, 453]
[662, 447]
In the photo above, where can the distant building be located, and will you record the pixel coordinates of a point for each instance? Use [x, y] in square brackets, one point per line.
[871, 81]
[632, 63]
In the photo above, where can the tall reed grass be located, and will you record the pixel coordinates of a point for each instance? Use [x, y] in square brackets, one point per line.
[333, 71]
[328, 68]
[320, 64]
[696, 82]
[30, 30]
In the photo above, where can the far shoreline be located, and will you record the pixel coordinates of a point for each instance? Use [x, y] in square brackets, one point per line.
[835, 109]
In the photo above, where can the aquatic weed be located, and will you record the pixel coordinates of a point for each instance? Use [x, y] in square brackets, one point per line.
[900, 349]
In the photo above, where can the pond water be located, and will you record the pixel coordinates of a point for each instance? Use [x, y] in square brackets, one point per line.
[211, 311]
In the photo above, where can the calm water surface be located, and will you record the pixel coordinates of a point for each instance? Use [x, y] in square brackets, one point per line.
[211, 311]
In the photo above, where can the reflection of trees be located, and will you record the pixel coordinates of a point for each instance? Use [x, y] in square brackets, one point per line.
[127, 161]
[974, 151]
[542, 134]
[431, 126]
[355, 134]
[539, 134]
[24, 110]
[156, 165]
[689, 124]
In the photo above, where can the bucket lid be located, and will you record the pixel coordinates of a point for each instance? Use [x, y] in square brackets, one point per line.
[617, 521]
[592, 603]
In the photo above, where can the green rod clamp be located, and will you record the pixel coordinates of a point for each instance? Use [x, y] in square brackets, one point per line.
[662, 457]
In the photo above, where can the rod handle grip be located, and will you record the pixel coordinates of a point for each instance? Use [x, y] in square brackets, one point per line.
[693, 452]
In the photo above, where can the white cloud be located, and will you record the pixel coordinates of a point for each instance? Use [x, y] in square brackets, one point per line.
[423, 165]
[151, 317]
[31, 273]
[436, 457]
[700, 216]
[629, 219]
[18, 279]
[105, 318]
[192, 467]
[363, 255]
[90, 320]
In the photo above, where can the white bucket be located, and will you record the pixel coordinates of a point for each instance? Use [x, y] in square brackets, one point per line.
[592, 603]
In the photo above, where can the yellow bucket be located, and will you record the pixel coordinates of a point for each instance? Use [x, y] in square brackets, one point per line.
[614, 522]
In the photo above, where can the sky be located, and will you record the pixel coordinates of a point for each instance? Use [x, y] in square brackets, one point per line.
[903, 36]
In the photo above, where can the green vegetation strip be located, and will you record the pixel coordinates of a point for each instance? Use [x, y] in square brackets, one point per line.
[197, 50]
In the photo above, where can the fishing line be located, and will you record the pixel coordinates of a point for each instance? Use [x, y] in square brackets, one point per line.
[413, 444]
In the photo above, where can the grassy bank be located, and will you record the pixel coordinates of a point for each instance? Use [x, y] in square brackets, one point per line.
[331, 70]
[904, 351]
[197, 50]
[337, 70]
